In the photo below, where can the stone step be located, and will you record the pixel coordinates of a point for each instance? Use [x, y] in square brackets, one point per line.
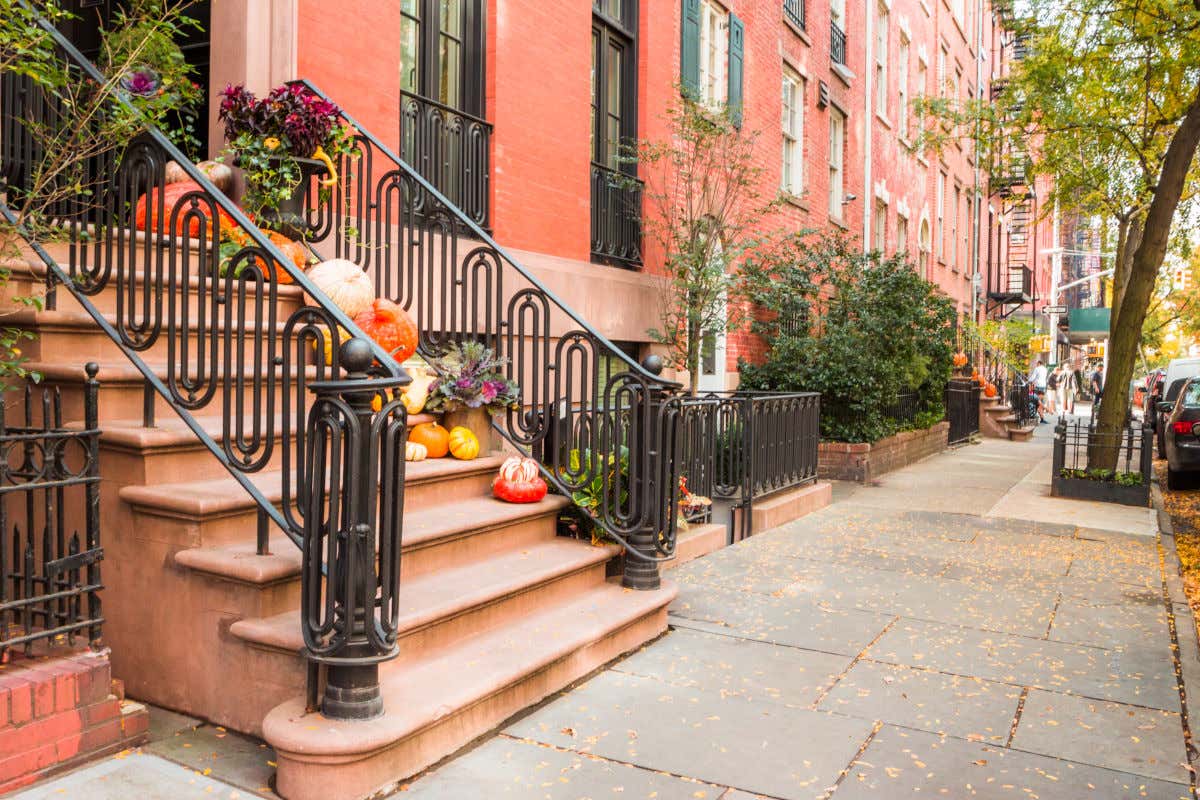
[441, 701]
[1021, 434]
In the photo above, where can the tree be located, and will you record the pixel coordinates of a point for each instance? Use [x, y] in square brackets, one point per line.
[1108, 101]
[705, 212]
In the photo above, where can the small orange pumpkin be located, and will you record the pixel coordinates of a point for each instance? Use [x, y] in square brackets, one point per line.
[435, 438]
[989, 389]
[960, 359]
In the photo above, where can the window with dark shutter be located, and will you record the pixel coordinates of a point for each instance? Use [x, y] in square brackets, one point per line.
[689, 51]
[737, 36]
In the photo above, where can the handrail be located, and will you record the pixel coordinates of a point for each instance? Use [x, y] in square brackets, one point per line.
[428, 101]
[193, 382]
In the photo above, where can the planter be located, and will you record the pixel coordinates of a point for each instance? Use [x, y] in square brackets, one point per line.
[290, 218]
[865, 461]
[1102, 491]
[478, 421]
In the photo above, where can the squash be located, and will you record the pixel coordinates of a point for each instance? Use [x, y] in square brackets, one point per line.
[173, 173]
[417, 393]
[464, 445]
[221, 175]
[345, 284]
[989, 389]
[413, 451]
[297, 253]
[960, 359]
[519, 481]
[146, 213]
[343, 335]
[390, 326]
[435, 438]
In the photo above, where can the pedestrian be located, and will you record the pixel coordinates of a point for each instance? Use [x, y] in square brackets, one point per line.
[1052, 388]
[1068, 387]
[1097, 387]
[1037, 379]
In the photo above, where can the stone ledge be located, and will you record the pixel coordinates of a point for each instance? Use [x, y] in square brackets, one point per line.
[864, 462]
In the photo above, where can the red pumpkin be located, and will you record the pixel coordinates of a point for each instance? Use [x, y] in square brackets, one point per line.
[146, 214]
[519, 482]
[390, 326]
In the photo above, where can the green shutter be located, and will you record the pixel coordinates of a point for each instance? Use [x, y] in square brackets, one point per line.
[737, 38]
[689, 49]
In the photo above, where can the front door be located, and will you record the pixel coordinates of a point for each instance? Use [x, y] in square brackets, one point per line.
[713, 353]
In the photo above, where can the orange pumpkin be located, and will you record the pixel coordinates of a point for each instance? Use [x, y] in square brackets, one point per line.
[296, 252]
[989, 389]
[390, 326]
[960, 359]
[435, 438]
[146, 213]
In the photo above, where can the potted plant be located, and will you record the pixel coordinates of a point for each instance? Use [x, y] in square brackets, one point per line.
[470, 388]
[281, 143]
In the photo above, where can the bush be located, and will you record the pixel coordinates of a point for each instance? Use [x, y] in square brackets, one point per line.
[871, 328]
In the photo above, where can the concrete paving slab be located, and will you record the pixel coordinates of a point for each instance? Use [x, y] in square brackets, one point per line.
[165, 723]
[901, 763]
[779, 620]
[1140, 741]
[132, 775]
[520, 770]
[969, 708]
[786, 753]
[733, 666]
[240, 760]
[1125, 624]
[1134, 677]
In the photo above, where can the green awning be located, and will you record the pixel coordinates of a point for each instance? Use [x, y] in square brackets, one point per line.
[1086, 324]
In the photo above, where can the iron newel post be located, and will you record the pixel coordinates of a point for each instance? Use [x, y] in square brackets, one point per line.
[643, 573]
[353, 508]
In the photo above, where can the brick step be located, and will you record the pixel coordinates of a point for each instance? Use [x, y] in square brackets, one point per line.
[437, 611]
[440, 701]
[218, 514]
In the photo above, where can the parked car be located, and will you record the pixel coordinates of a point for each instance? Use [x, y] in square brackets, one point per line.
[1181, 433]
[1163, 410]
[1176, 372]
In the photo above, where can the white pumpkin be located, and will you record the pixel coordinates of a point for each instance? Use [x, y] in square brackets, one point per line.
[345, 283]
[415, 451]
[518, 469]
[220, 174]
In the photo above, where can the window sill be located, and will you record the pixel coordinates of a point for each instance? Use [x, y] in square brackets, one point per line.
[794, 200]
[843, 73]
[841, 223]
[881, 117]
[796, 29]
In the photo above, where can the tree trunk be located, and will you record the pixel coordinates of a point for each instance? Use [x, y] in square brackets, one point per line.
[1146, 260]
[694, 338]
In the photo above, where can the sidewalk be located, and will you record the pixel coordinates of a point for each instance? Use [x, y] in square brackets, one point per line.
[951, 632]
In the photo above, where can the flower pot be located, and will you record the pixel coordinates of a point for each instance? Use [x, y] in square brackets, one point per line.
[478, 421]
[290, 218]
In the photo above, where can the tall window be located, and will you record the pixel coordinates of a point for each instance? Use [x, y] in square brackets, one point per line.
[954, 226]
[880, 226]
[837, 135]
[941, 72]
[902, 87]
[614, 97]
[792, 180]
[922, 77]
[881, 61]
[714, 53]
[901, 233]
[923, 248]
[442, 53]
[939, 234]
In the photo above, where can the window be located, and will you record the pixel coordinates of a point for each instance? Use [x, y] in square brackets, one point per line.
[902, 87]
[837, 13]
[792, 180]
[922, 77]
[441, 52]
[923, 246]
[614, 110]
[941, 72]
[954, 227]
[714, 54]
[881, 61]
[959, 7]
[939, 235]
[880, 226]
[901, 233]
[837, 134]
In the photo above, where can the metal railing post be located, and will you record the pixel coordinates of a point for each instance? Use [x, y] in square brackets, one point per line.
[643, 573]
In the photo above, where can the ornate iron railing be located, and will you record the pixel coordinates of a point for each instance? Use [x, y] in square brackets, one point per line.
[962, 409]
[795, 11]
[451, 150]
[49, 576]
[616, 217]
[837, 44]
[458, 284]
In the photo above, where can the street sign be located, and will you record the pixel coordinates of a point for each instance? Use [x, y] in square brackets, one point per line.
[1048, 310]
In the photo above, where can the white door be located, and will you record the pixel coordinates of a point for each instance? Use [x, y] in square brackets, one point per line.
[712, 359]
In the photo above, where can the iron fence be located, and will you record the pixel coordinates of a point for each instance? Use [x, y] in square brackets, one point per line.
[904, 408]
[452, 150]
[1079, 451]
[50, 483]
[616, 217]
[837, 44]
[962, 409]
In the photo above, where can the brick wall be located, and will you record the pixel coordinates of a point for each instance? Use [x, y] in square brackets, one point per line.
[864, 462]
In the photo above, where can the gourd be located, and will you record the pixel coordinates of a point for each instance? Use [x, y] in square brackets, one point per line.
[342, 336]
[390, 326]
[464, 445]
[989, 389]
[146, 212]
[221, 175]
[518, 481]
[345, 284]
[417, 393]
[414, 451]
[297, 253]
[960, 359]
[173, 173]
[435, 438]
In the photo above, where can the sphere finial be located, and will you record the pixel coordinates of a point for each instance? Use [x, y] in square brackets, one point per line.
[653, 364]
[356, 355]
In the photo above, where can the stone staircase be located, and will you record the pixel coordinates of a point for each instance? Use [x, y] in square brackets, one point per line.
[997, 421]
[497, 611]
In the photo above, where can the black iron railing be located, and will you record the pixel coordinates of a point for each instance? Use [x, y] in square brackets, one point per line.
[837, 44]
[1080, 448]
[616, 217]
[738, 447]
[49, 484]
[795, 11]
[451, 150]
[962, 409]
[904, 408]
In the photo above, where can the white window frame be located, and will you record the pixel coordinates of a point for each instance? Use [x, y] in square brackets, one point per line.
[882, 29]
[880, 225]
[714, 54]
[939, 233]
[954, 227]
[792, 128]
[901, 233]
[837, 161]
[837, 13]
[902, 59]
